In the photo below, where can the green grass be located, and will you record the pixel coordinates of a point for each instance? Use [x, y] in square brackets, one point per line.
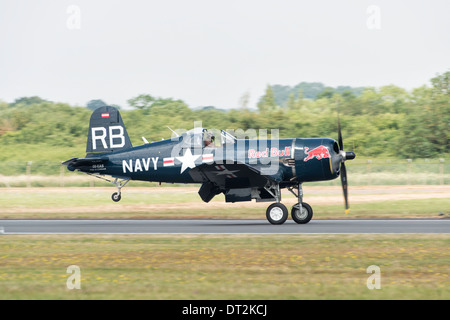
[225, 267]
[185, 203]
[222, 266]
[40, 152]
[414, 208]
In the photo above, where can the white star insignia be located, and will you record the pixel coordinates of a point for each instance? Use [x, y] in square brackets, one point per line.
[226, 171]
[188, 160]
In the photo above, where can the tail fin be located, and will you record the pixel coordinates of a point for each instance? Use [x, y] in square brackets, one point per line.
[107, 132]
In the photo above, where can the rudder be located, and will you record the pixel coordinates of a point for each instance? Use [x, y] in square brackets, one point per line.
[107, 132]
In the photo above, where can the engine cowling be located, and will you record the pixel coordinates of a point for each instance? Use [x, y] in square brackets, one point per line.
[316, 159]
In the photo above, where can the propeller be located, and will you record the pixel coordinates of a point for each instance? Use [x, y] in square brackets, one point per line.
[345, 186]
[340, 159]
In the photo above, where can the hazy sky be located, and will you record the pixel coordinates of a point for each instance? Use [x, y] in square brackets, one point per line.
[209, 52]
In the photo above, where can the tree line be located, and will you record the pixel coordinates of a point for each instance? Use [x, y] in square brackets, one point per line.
[387, 121]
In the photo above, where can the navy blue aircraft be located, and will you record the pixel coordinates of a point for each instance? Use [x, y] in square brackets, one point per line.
[241, 169]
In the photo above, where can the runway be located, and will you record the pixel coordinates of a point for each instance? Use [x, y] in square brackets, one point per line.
[213, 226]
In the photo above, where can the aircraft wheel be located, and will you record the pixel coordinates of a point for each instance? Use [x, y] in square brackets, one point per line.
[304, 216]
[277, 213]
[116, 197]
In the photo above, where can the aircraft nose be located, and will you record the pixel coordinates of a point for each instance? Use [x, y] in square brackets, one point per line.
[349, 155]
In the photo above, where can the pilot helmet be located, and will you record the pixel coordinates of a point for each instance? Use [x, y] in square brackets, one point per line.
[209, 136]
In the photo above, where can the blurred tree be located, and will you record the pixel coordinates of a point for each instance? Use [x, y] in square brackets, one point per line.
[95, 104]
[349, 103]
[326, 93]
[438, 115]
[3, 105]
[299, 102]
[369, 101]
[291, 103]
[393, 99]
[385, 121]
[142, 101]
[441, 84]
[267, 101]
[27, 101]
[244, 100]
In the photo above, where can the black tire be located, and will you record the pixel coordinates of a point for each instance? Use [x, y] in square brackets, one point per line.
[305, 216]
[277, 213]
[116, 197]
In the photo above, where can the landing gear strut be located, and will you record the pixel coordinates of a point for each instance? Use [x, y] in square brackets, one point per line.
[301, 212]
[120, 183]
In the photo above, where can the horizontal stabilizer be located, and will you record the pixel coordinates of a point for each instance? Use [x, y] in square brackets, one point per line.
[76, 163]
[67, 162]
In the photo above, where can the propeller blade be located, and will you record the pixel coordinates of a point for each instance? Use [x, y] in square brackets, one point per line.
[345, 186]
[340, 142]
[343, 155]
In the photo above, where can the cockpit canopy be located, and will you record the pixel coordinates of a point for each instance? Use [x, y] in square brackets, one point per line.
[202, 137]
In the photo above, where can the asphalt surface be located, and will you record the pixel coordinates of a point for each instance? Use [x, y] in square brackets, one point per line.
[212, 226]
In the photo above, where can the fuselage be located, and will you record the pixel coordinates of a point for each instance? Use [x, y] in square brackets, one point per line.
[288, 161]
[241, 169]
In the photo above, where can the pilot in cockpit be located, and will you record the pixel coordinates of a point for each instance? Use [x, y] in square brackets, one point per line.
[208, 138]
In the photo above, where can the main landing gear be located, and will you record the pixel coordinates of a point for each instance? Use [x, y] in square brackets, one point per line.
[277, 213]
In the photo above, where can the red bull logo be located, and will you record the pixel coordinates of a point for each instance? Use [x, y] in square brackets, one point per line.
[318, 153]
[272, 152]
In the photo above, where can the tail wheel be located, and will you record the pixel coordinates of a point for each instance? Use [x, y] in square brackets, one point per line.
[277, 213]
[303, 216]
[116, 197]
